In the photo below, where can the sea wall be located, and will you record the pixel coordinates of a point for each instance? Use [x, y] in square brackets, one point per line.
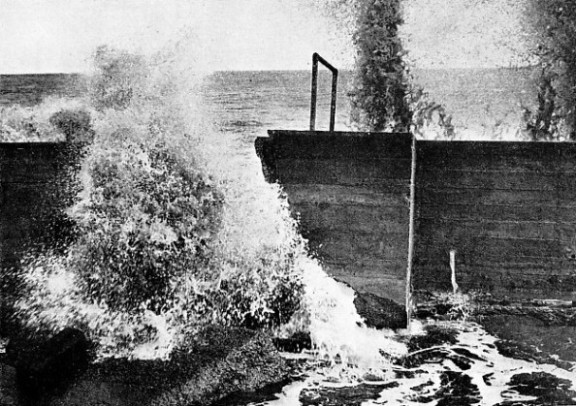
[36, 185]
[507, 209]
[351, 194]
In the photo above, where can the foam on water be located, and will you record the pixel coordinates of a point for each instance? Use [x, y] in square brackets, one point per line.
[473, 338]
[337, 330]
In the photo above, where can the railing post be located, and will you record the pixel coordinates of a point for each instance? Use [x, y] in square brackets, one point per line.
[315, 59]
[314, 92]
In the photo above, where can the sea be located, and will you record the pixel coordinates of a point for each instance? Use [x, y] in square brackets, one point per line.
[483, 103]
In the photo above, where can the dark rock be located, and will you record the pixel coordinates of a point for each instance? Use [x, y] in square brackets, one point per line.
[532, 338]
[434, 348]
[222, 363]
[408, 374]
[443, 308]
[266, 394]
[467, 353]
[432, 356]
[435, 336]
[421, 387]
[379, 312]
[461, 362]
[457, 389]
[49, 366]
[244, 369]
[548, 388]
[422, 348]
[424, 313]
[526, 352]
[370, 377]
[344, 396]
[488, 378]
[295, 343]
[8, 394]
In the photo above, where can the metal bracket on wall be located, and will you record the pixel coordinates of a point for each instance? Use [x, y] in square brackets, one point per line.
[315, 59]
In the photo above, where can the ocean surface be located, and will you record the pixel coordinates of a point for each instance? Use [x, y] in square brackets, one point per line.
[484, 103]
[29, 90]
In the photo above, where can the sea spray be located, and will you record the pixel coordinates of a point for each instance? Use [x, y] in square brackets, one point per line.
[259, 221]
[337, 329]
[34, 124]
[344, 348]
[254, 266]
[158, 254]
[56, 302]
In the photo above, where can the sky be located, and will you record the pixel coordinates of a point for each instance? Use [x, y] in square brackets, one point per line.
[465, 33]
[47, 36]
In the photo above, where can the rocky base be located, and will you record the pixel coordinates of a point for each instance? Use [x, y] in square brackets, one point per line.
[354, 395]
[546, 388]
[453, 364]
[48, 366]
[8, 391]
[379, 312]
[532, 339]
[223, 362]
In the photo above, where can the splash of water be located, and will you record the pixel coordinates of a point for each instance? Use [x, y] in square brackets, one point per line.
[336, 327]
[345, 349]
[138, 101]
[257, 231]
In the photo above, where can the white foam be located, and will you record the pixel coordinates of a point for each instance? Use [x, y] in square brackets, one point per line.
[336, 329]
[473, 338]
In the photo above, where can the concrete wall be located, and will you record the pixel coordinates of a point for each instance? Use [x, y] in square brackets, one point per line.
[37, 183]
[509, 211]
[351, 193]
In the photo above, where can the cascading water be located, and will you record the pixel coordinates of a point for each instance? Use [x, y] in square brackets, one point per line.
[343, 344]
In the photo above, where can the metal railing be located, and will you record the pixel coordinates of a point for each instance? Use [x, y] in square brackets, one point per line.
[315, 59]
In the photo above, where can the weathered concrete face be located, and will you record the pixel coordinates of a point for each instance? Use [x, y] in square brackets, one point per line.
[351, 194]
[507, 209]
[37, 183]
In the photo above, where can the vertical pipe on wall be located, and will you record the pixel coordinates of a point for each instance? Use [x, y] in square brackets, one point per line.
[453, 271]
[411, 232]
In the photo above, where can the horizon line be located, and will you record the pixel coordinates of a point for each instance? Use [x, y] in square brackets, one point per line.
[286, 70]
